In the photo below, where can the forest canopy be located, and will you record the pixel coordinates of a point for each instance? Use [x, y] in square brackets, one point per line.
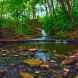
[54, 16]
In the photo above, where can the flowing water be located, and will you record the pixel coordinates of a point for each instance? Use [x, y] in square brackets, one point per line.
[39, 43]
[43, 36]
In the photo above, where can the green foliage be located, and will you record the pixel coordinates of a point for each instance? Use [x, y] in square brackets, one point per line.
[47, 22]
[61, 34]
[54, 24]
[58, 15]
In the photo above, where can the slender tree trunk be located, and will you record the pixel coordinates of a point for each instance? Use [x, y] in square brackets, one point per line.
[49, 6]
[69, 8]
[53, 9]
[34, 12]
[46, 8]
[41, 11]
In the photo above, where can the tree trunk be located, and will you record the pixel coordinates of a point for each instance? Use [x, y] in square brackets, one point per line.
[66, 7]
[34, 12]
[54, 13]
[69, 8]
[46, 8]
[49, 3]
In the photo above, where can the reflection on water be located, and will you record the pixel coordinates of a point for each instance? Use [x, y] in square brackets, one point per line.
[40, 54]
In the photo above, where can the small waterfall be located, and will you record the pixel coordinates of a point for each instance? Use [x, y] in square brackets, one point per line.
[43, 35]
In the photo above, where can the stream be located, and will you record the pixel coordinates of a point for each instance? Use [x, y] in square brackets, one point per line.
[43, 36]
